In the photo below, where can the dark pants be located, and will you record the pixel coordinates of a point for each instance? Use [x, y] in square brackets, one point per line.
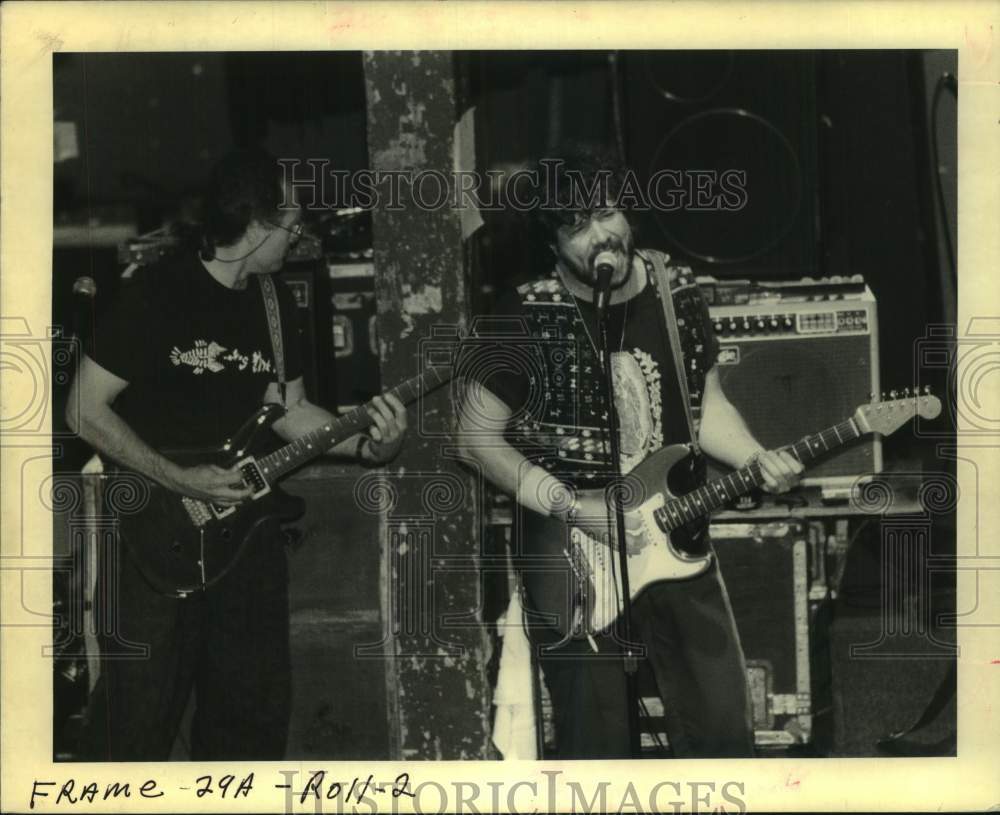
[230, 644]
[693, 648]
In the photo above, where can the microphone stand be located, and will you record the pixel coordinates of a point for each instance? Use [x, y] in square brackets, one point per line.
[630, 659]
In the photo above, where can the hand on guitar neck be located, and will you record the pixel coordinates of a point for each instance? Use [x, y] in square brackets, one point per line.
[781, 470]
[593, 514]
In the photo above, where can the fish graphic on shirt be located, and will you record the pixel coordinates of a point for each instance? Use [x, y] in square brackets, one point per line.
[203, 357]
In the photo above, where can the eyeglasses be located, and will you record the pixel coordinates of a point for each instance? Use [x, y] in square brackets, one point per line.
[295, 230]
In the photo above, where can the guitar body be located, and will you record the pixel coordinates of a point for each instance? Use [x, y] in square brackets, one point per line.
[572, 579]
[181, 545]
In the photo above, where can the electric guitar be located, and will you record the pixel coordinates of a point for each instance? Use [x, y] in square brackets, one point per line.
[183, 544]
[669, 542]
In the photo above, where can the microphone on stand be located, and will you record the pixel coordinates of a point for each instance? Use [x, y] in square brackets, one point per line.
[602, 286]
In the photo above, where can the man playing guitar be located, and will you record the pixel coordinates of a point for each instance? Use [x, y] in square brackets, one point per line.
[191, 350]
[539, 436]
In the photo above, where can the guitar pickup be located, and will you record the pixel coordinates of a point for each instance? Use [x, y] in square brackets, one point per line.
[254, 478]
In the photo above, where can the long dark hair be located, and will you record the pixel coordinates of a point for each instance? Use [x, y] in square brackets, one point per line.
[245, 185]
[563, 178]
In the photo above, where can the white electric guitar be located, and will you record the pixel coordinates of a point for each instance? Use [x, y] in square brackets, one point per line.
[670, 544]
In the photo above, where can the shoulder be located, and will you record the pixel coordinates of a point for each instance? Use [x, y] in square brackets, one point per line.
[679, 275]
[514, 299]
[157, 283]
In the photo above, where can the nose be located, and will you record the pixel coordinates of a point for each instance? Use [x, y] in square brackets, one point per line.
[600, 234]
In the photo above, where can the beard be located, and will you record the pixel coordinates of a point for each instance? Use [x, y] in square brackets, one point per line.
[623, 250]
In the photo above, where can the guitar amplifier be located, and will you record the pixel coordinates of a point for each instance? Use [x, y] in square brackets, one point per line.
[311, 290]
[796, 358]
[339, 342]
[355, 337]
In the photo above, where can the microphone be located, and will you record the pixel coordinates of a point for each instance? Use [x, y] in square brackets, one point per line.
[602, 286]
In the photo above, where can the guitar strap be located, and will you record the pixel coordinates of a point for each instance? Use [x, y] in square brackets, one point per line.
[273, 313]
[661, 277]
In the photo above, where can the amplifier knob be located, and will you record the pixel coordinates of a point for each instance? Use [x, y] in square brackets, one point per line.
[760, 325]
[788, 322]
[746, 324]
[718, 327]
[773, 324]
[732, 325]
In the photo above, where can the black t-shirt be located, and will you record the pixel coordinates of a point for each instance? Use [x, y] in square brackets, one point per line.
[557, 401]
[197, 355]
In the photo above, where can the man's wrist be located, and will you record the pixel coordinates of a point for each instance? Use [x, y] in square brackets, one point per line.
[166, 472]
[566, 506]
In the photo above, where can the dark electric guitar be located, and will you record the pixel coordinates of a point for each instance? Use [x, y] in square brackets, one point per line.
[183, 544]
[663, 549]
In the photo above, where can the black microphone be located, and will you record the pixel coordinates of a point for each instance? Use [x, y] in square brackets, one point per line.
[602, 286]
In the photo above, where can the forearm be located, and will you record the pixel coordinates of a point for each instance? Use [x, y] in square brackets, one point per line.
[111, 436]
[480, 434]
[530, 485]
[725, 436]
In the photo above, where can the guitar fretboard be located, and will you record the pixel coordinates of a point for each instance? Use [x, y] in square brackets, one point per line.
[721, 491]
[317, 442]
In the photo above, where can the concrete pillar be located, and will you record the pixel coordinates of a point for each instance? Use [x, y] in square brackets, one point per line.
[438, 692]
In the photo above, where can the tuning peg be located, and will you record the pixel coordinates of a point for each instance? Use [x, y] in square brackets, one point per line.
[927, 389]
[883, 396]
[892, 394]
[906, 393]
[871, 397]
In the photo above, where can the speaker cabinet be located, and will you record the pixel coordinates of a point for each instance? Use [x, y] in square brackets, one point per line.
[794, 368]
[337, 326]
[875, 694]
[355, 339]
[773, 625]
[720, 121]
[311, 289]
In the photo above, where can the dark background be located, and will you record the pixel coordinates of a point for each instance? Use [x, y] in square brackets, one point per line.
[842, 180]
[836, 146]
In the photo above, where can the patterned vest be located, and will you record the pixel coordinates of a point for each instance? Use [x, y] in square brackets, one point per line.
[562, 425]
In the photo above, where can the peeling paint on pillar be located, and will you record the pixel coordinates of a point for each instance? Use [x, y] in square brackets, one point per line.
[441, 694]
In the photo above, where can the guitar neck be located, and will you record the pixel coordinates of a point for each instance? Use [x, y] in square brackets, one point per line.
[317, 442]
[720, 491]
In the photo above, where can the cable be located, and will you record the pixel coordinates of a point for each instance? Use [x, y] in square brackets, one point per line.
[243, 257]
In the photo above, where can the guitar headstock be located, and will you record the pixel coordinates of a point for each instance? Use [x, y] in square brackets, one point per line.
[888, 415]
